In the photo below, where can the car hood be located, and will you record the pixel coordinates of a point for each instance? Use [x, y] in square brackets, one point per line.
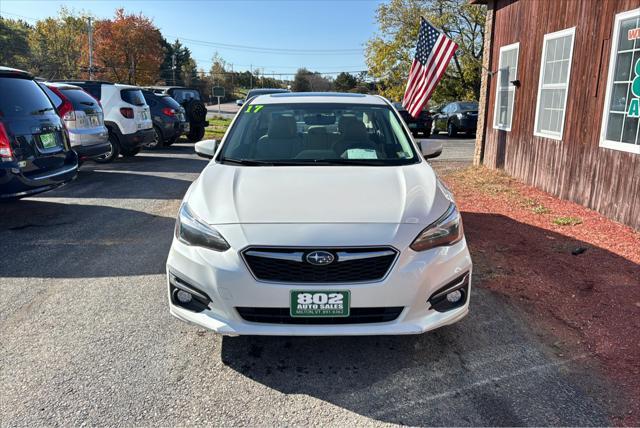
[225, 194]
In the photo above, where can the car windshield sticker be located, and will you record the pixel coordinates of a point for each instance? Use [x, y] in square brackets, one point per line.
[361, 154]
[634, 106]
[254, 108]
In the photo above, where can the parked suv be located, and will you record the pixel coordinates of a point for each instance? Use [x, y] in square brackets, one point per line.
[169, 121]
[192, 102]
[83, 118]
[126, 116]
[35, 154]
[420, 125]
[459, 116]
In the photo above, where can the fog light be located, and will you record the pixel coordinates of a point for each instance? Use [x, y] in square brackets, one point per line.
[452, 297]
[184, 297]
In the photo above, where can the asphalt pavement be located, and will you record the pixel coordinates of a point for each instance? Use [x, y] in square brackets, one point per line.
[86, 336]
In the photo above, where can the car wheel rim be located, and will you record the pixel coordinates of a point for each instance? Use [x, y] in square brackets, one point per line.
[156, 140]
[108, 154]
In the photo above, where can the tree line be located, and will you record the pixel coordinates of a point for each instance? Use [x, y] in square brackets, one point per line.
[129, 48]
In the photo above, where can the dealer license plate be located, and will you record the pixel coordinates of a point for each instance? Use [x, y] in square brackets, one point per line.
[314, 304]
[48, 141]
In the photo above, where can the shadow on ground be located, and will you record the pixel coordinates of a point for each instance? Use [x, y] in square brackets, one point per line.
[58, 240]
[489, 369]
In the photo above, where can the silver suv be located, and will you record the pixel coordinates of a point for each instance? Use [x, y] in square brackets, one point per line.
[83, 117]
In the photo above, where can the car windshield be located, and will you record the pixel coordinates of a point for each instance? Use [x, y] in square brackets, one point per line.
[22, 97]
[182, 95]
[79, 98]
[170, 102]
[468, 106]
[133, 96]
[317, 134]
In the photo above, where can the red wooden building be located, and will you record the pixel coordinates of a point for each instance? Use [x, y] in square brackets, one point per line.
[560, 99]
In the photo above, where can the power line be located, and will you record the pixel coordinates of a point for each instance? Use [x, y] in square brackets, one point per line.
[289, 51]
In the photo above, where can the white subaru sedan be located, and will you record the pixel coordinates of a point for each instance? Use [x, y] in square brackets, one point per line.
[318, 215]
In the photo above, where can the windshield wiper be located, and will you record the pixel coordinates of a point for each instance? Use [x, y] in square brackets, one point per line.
[364, 162]
[246, 162]
[42, 110]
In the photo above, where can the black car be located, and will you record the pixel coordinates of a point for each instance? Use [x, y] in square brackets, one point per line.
[35, 153]
[419, 125]
[169, 120]
[459, 116]
[192, 102]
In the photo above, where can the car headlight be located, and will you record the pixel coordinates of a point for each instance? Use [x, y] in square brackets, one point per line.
[447, 230]
[192, 231]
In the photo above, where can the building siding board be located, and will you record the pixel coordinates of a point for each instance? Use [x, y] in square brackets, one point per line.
[575, 168]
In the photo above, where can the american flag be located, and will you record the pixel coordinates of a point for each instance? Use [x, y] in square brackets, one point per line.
[433, 53]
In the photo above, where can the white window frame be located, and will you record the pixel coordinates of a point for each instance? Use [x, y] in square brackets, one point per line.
[541, 85]
[608, 144]
[510, 88]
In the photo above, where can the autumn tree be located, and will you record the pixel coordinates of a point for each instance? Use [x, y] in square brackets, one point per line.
[389, 54]
[14, 43]
[57, 46]
[128, 49]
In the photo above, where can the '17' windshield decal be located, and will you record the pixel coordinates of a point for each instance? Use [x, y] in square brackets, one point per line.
[254, 109]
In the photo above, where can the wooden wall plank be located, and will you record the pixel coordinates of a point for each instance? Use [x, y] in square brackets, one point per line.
[575, 168]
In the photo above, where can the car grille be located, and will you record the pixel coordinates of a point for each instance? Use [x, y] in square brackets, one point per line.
[350, 265]
[357, 316]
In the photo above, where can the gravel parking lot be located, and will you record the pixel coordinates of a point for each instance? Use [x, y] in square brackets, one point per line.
[87, 337]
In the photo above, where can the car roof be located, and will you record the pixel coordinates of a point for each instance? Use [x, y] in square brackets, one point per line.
[318, 97]
[14, 72]
[62, 85]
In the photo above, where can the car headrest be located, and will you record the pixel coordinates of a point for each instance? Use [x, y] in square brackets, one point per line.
[355, 131]
[317, 129]
[282, 127]
[344, 121]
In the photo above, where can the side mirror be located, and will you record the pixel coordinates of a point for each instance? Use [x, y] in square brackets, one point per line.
[206, 148]
[239, 102]
[430, 148]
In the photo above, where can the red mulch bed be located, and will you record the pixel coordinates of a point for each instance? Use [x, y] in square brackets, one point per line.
[592, 298]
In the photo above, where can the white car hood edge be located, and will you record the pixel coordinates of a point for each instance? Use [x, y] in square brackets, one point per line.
[225, 194]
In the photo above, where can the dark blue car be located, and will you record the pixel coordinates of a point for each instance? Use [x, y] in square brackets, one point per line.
[35, 153]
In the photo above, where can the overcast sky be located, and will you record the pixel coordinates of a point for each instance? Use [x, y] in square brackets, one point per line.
[320, 35]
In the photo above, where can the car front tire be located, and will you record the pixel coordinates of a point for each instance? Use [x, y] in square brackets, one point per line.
[452, 130]
[157, 139]
[113, 153]
[195, 134]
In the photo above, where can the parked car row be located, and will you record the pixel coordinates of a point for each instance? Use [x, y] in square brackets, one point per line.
[48, 128]
[452, 118]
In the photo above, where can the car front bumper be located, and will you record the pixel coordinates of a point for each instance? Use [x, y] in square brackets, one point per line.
[138, 138]
[413, 278]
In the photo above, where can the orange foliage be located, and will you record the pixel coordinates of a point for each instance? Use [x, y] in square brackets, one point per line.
[128, 49]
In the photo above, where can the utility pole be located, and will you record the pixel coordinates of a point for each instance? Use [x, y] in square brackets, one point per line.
[90, 50]
[251, 73]
[173, 67]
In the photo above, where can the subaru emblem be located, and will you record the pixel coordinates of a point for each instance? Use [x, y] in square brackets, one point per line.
[320, 258]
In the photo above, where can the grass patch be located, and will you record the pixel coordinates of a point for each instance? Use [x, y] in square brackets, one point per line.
[540, 209]
[567, 221]
[217, 127]
[487, 181]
